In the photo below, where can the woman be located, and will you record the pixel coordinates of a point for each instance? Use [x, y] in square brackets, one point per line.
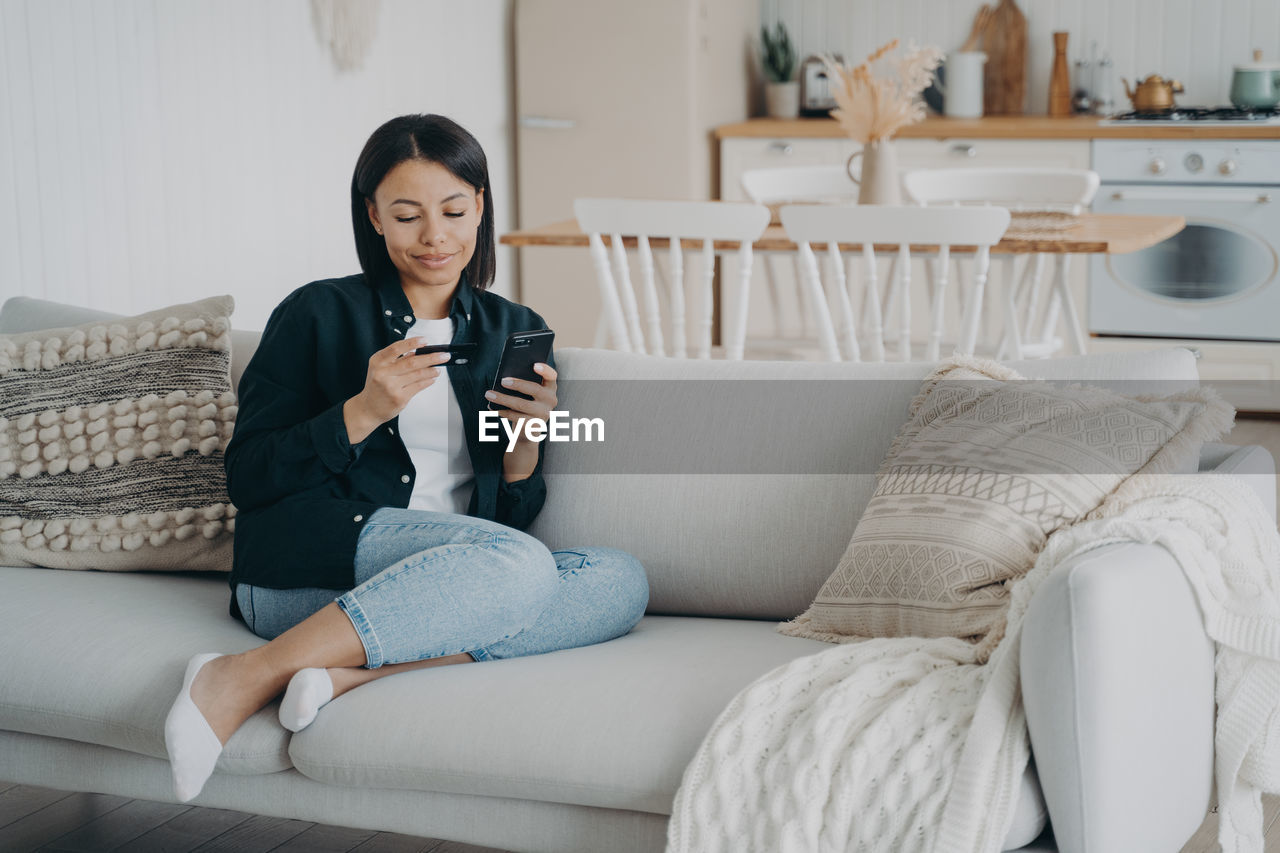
[368, 542]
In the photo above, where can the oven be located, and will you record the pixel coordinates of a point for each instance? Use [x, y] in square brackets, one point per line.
[1219, 278]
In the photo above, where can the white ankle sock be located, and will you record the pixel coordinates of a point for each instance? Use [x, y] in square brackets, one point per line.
[192, 745]
[309, 690]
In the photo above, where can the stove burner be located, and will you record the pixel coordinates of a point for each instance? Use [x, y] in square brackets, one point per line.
[1201, 114]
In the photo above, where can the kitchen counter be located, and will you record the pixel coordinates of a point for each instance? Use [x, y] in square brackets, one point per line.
[1004, 127]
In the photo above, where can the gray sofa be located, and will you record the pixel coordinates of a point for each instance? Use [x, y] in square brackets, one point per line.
[583, 750]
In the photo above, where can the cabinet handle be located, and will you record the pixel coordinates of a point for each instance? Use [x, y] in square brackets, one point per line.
[963, 150]
[783, 148]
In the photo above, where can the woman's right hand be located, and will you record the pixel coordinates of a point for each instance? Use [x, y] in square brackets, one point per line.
[394, 376]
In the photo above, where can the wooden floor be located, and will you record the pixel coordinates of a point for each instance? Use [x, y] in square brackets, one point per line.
[42, 819]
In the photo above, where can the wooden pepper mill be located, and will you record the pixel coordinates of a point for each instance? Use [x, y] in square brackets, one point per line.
[1060, 80]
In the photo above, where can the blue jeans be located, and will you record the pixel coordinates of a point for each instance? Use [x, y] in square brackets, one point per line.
[430, 584]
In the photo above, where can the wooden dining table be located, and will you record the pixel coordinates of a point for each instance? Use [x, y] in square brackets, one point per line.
[1086, 234]
[1091, 234]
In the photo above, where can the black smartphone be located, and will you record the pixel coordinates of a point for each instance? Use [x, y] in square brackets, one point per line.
[519, 354]
[458, 353]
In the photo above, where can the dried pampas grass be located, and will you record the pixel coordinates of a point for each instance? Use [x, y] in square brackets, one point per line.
[873, 105]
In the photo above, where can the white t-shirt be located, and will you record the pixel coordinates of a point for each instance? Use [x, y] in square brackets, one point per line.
[431, 427]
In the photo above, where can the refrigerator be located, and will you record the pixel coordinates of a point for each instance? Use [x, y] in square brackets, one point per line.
[618, 99]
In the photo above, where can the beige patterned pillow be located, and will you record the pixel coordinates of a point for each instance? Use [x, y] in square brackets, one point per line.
[111, 441]
[988, 465]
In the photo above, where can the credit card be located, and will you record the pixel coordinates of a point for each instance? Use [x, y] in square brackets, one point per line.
[452, 349]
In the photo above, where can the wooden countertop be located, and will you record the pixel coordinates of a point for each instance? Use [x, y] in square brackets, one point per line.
[1003, 127]
[1096, 233]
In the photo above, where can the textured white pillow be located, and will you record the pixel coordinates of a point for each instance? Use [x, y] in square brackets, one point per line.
[111, 442]
[986, 468]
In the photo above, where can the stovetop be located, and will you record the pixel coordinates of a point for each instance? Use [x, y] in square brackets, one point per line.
[1199, 115]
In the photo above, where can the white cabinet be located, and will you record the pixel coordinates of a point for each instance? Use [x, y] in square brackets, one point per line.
[742, 155]
[739, 154]
[958, 153]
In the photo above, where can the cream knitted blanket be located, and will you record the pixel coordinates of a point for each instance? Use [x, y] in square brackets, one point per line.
[909, 745]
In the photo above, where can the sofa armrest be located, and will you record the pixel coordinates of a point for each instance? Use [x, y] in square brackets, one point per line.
[1118, 685]
[1253, 464]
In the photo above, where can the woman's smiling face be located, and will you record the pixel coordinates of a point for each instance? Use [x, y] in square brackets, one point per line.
[429, 218]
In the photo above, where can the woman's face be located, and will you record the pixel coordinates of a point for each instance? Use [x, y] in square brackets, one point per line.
[430, 219]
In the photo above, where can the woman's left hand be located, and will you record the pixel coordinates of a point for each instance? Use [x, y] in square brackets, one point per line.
[519, 462]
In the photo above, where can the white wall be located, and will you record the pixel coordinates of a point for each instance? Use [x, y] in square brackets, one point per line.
[157, 151]
[1193, 41]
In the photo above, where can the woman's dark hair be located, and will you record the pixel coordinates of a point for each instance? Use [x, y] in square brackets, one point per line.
[435, 139]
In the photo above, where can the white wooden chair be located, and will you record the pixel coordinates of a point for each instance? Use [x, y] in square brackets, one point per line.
[1029, 330]
[875, 225]
[676, 223]
[782, 185]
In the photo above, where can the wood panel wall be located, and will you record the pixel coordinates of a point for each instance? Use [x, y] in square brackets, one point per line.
[157, 151]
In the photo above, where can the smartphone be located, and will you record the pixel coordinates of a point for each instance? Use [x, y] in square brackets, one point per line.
[458, 353]
[520, 353]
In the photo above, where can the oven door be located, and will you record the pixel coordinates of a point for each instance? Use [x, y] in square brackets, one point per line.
[1216, 279]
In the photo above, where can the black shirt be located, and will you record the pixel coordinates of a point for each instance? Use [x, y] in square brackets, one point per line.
[301, 489]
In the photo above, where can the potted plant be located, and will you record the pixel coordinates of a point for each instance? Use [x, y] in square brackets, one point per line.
[781, 93]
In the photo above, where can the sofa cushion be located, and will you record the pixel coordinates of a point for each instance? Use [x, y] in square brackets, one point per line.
[26, 314]
[987, 466]
[99, 657]
[111, 438]
[756, 528]
[611, 725]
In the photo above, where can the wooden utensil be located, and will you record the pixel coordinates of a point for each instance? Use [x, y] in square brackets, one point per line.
[1060, 79]
[980, 22]
[1005, 41]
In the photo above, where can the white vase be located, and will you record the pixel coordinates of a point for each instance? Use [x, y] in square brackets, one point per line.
[782, 100]
[878, 182]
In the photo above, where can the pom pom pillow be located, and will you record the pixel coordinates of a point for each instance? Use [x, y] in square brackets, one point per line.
[986, 468]
[111, 442]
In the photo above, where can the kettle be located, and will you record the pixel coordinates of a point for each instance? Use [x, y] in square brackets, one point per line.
[1153, 94]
